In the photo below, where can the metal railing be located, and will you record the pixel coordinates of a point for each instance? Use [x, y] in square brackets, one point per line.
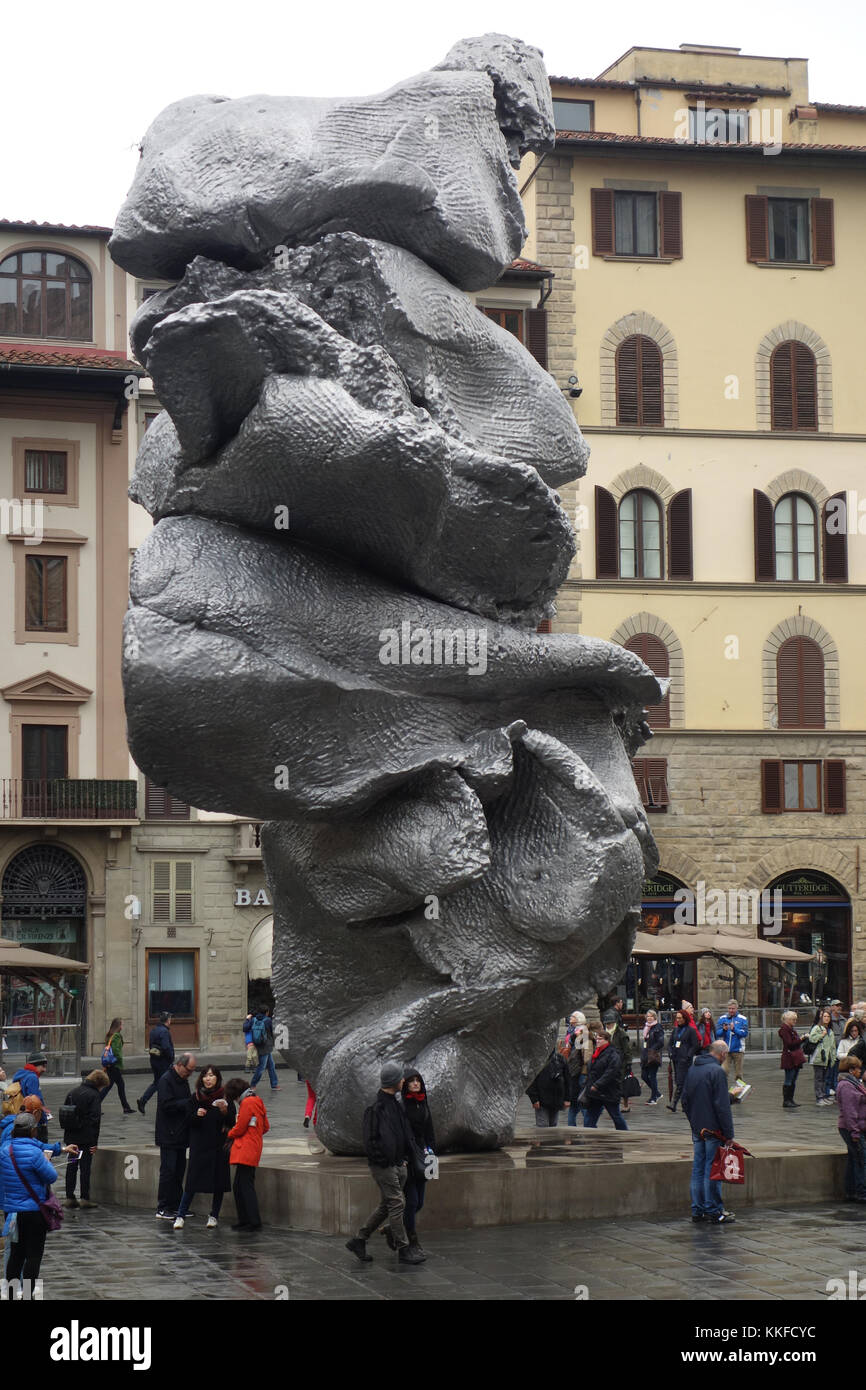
[763, 1025]
[60, 1042]
[67, 798]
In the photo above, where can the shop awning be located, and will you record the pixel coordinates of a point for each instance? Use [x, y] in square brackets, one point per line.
[259, 950]
[686, 944]
[16, 959]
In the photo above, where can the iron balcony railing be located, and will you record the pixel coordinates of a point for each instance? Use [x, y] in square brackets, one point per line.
[67, 798]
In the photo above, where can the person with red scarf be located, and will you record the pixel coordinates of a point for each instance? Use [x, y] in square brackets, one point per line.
[603, 1082]
[706, 1028]
[414, 1094]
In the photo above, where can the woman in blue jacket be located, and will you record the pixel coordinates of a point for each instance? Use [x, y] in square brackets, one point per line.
[24, 1167]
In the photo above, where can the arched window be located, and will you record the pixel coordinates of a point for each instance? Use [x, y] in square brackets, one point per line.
[800, 684]
[639, 387]
[795, 537]
[640, 536]
[793, 387]
[44, 294]
[654, 654]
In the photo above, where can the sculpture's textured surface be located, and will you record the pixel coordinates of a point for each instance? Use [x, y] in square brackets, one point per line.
[332, 624]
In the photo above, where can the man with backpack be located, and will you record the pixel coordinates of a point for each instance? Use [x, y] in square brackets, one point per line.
[261, 1031]
[550, 1091]
[389, 1146]
[28, 1079]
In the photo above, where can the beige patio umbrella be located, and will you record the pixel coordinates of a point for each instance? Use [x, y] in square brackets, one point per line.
[16, 959]
[690, 943]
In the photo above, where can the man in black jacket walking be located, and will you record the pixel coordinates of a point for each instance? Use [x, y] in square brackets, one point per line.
[389, 1146]
[172, 1133]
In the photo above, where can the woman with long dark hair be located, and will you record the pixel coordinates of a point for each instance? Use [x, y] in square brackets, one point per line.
[211, 1118]
[112, 1063]
[684, 1042]
[417, 1109]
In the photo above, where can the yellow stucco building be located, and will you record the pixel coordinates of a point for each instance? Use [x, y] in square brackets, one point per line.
[703, 220]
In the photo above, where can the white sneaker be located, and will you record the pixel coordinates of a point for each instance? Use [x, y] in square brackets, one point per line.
[178, 1223]
[211, 1222]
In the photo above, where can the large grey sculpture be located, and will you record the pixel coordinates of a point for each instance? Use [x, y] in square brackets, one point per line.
[332, 625]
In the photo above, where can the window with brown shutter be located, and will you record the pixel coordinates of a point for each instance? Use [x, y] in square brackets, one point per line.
[640, 536]
[654, 654]
[159, 804]
[639, 382]
[680, 536]
[509, 319]
[765, 558]
[834, 787]
[836, 539]
[651, 779]
[800, 684]
[795, 539]
[771, 786]
[786, 231]
[601, 203]
[536, 335]
[793, 387]
[671, 225]
[823, 242]
[45, 593]
[606, 544]
[545, 625]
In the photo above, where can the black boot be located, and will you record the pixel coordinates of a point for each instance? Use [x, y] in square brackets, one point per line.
[415, 1243]
[788, 1101]
[359, 1247]
[411, 1255]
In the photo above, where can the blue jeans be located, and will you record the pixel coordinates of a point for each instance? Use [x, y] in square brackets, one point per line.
[791, 1074]
[574, 1109]
[593, 1111]
[265, 1060]
[649, 1077]
[831, 1078]
[706, 1195]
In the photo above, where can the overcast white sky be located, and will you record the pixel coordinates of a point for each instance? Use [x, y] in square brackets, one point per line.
[79, 90]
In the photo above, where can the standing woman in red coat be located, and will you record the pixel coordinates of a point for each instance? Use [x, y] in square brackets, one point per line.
[246, 1136]
[792, 1059]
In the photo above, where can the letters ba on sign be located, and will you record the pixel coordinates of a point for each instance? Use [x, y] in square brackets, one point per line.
[244, 897]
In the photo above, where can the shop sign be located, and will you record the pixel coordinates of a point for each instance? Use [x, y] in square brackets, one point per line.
[244, 897]
[46, 933]
[660, 887]
[806, 885]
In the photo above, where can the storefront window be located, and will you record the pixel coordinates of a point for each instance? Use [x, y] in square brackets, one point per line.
[658, 982]
[816, 917]
[171, 983]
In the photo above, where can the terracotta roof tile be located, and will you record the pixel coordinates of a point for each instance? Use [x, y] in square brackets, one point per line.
[46, 355]
[609, 137]
[521, 264]
[9, 224]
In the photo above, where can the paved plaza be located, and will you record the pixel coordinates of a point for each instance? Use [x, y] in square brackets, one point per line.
[769, 1254]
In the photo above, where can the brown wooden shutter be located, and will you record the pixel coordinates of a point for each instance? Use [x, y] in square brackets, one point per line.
[782, 387]
[834, 787]
[651, 395]
[654, 654]
[765, 548]
[536, 335]
[680, 535]
[757, 228]
[657, 783]
[639, 383]
[836, 540]
[771, 786]
[601, 202]
[823, 243]
[606, 536]
[800, 684]
[671, 224]
[159, 804]
[545, 625]
[805, 388]
[627, 382]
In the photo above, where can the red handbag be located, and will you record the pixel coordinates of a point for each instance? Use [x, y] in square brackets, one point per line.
[729, 1164]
